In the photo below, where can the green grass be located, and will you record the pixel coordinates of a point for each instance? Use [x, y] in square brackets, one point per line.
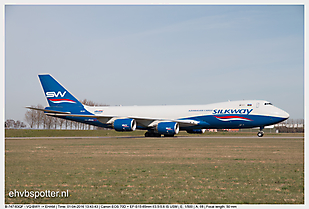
[70, 133]
[158, 170]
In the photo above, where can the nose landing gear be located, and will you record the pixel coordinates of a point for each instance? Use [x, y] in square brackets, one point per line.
[261, 132]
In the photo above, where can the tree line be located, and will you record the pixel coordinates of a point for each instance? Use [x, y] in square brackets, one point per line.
[38, 120]
[10, 123]
[291, 126]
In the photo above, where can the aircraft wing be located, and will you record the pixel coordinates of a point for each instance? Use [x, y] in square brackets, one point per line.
[108, 119]
[141, 121]
[151, 122]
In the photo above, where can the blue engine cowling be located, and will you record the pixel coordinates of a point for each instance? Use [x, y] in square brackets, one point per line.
[196, 131]
[124, 124]
[169, 128]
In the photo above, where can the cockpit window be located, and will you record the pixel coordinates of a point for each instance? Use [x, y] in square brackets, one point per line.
[268, 103]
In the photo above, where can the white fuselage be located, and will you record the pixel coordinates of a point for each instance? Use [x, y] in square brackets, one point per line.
[185, 111]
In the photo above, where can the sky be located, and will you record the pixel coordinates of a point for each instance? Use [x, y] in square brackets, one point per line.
[154, 55]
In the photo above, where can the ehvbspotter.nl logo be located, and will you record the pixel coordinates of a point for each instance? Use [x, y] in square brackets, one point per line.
[37, 194]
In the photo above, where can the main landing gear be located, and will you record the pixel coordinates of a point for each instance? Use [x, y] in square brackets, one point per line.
[261, 132]
[154, 134]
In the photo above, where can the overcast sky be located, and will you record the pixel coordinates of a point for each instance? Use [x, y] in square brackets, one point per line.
[153, 55]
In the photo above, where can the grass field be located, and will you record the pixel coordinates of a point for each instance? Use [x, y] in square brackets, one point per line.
[158, 170]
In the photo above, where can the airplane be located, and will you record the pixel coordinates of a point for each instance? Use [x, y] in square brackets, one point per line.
[165, 120]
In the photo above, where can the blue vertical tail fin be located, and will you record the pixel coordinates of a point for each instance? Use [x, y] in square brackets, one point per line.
[57, 96]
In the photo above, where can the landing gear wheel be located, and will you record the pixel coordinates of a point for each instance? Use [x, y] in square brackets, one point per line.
[152, 134]
[168, 135]
[260, 134]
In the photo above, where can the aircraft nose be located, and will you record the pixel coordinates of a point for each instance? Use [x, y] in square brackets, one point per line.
[281, 113]
[286, 115]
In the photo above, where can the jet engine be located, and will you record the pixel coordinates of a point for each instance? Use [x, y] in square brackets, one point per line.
[124, 124]
[168, 128]
[196, 131]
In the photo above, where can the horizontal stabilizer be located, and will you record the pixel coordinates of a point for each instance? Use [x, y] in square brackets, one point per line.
[49, 111]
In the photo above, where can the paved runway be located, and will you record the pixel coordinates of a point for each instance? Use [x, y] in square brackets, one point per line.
[131, 137]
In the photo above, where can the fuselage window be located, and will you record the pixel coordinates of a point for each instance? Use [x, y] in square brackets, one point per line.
[268, 103]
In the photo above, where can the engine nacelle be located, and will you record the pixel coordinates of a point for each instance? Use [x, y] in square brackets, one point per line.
[169, 128]
[196, 131]
[124, 124]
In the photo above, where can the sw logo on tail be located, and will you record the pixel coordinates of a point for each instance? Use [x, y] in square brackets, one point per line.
[54, 94]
